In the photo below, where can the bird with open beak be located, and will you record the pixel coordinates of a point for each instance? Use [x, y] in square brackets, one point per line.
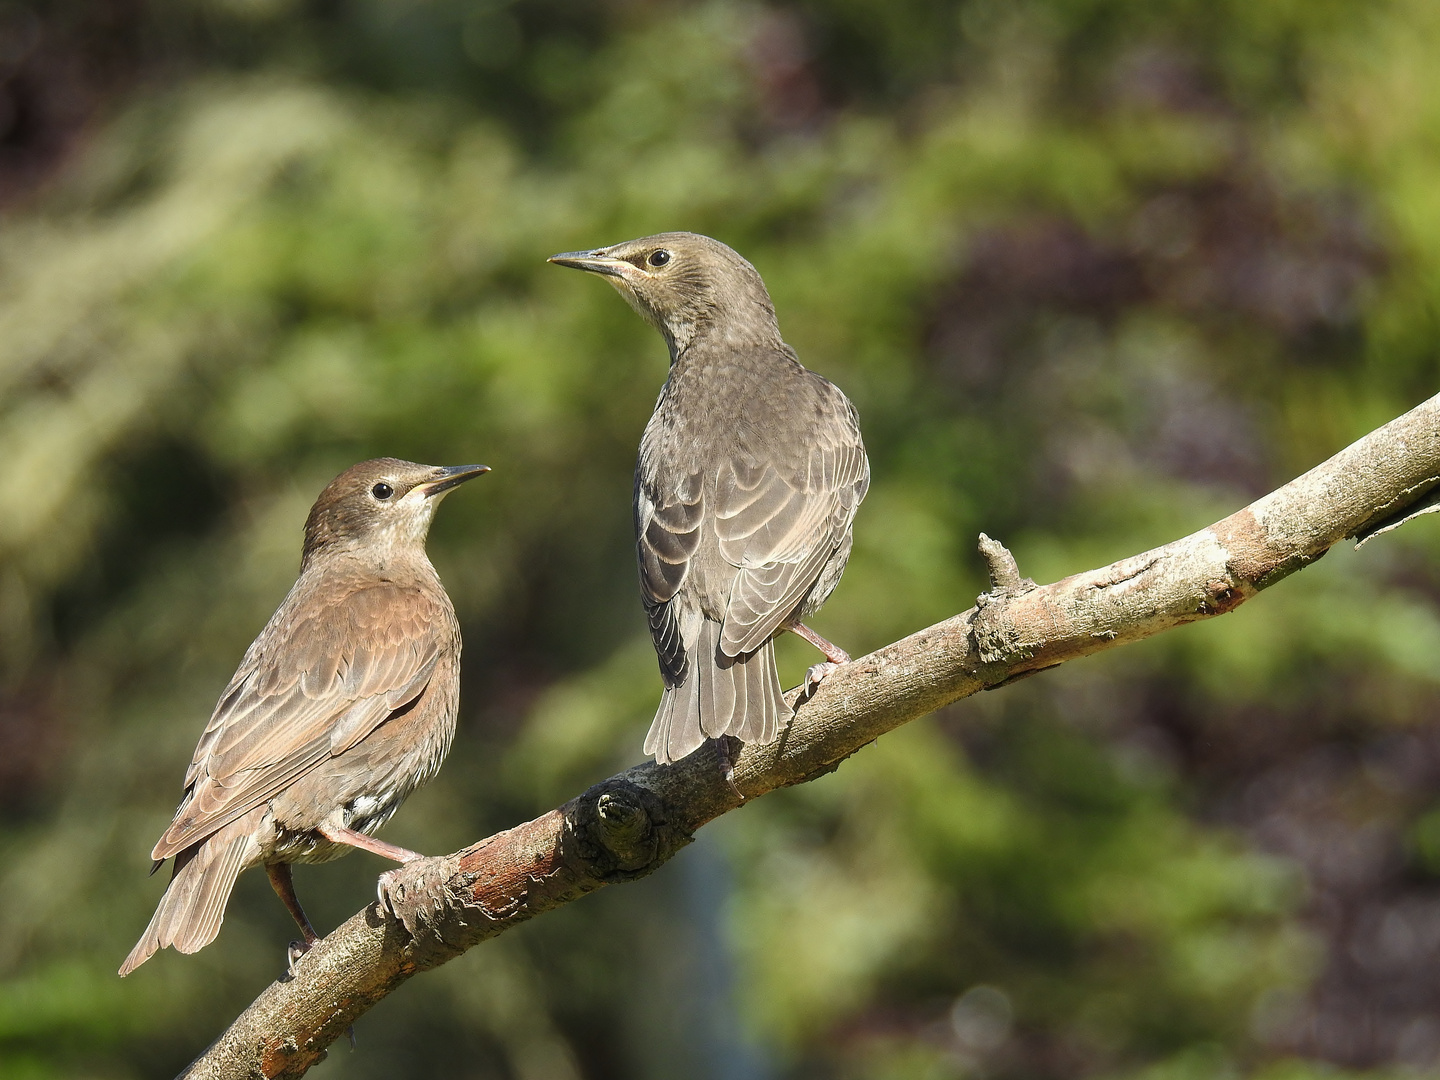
[750, 472]
[343, 706]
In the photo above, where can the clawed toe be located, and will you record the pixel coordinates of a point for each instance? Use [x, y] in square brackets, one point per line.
[293, 952]
[393, 889]
[727, 765]
[729, 775]
[385, 885]
[816, 675]
[415, 894]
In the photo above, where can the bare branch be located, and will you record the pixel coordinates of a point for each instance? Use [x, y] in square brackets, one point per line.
[630, 824]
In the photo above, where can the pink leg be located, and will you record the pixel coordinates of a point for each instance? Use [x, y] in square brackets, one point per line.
[338, 835]
[834, 657]
[833, 652]
[284, 886]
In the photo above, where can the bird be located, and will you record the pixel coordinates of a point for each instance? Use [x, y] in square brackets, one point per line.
[343, 705]
[749, 475]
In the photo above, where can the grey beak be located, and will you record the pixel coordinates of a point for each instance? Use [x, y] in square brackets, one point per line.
[452, 476]
[596, 262]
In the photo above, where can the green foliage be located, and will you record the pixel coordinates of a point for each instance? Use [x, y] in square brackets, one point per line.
[1095, 273]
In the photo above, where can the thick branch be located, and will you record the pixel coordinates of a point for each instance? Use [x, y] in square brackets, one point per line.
[627, 826]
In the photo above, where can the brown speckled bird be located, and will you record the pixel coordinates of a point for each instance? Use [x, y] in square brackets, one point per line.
[343, 706]
[750, 473]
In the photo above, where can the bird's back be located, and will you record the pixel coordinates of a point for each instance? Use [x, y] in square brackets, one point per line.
[757, 404]
[766, 457]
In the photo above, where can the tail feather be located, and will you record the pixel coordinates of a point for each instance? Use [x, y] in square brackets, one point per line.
[765, 709]
[193, 907]
[721, 695]
[717, 678]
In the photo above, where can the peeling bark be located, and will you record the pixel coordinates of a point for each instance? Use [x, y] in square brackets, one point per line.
[631, 824]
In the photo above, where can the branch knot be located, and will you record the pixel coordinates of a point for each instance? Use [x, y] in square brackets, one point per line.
[622, 830]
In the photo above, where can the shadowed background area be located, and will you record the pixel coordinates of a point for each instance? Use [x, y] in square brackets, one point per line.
[1095, 272]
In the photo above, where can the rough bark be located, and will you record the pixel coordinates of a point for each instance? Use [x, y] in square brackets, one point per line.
[629, 825]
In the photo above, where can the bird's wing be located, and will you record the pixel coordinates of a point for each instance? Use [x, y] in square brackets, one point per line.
[778, 525]
[310, 687]
[667, 530]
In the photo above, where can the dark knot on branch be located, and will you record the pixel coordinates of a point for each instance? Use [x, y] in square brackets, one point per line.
[622, 831]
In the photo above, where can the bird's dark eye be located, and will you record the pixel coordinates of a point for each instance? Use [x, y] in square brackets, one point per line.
[382, 491]
[659, 258]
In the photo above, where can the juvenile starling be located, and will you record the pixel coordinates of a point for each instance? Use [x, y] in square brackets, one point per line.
[750, 472]
[342, 707]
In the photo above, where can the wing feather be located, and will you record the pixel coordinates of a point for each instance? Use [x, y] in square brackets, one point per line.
[780, 539]
[667, 537]
[310, 687]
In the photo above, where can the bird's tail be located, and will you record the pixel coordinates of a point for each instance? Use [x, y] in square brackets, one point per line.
[721, 695]
[193, 906]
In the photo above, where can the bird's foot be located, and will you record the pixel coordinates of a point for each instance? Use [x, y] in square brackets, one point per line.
[416, 893]
[293, 952]
[816, 675]
[727, 764]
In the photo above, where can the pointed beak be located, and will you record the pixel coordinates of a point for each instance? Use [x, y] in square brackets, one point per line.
[452, 476]
[596, 262]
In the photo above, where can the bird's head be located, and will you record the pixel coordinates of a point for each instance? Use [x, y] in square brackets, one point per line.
[385, 504]
[688, 286]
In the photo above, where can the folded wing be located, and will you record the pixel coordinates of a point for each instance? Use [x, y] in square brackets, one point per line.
[668, 534]
[779, 527]
[308, 689]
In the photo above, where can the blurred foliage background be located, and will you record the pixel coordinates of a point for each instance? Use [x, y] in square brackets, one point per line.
[1095, 272]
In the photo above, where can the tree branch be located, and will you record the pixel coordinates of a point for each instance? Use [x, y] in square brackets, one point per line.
[627, 826]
